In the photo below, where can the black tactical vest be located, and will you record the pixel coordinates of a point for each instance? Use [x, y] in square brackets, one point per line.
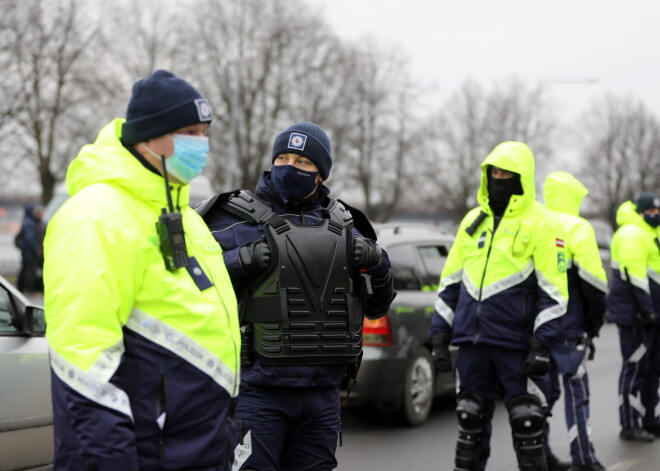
[307, 307]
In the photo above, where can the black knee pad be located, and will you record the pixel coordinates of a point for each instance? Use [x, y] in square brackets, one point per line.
[471, 421]
[527, 421]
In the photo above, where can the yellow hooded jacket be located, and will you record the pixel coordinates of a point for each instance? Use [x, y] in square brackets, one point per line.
[635, 254]
[502, 286]
[140, 355]
[587, 281]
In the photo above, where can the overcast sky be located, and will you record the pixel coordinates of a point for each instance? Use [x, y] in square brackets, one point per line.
[562, 43]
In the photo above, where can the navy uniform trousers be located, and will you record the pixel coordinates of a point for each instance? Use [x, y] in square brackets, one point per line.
[569, 365]
[492, 373]
[638, 382]
[287, 429]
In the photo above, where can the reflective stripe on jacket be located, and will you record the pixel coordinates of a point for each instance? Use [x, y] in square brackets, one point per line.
[501, 286]
[635, 249]
[145, 361]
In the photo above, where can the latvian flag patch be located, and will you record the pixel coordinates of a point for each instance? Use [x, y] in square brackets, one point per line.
[560, 243]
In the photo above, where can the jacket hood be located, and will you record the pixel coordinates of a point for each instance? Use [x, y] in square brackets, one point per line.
[563, 192]
[627, 214]
[514, 157]
[108, 161]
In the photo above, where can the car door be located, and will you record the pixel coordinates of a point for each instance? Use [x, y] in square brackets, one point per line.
[416, 268]
[26, 431]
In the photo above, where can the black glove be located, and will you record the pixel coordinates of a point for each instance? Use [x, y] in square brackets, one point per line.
[255, 256]
[538, 360]
[593, 325]
[366, 253]
[440, 353]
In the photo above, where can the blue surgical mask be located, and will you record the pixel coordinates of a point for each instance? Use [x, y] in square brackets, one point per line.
[652, 220]
[292, 183]
[189, 157]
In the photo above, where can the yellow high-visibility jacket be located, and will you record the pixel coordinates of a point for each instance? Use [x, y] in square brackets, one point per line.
[501, 286]
[587, 281]
[635, 255]
[145, 361]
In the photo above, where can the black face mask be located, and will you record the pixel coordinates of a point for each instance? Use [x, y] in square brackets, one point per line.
[292, 183]
[500, 191]
[652, 220]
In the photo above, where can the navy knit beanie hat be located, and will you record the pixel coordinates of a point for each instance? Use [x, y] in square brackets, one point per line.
[646, 201]
[309, 140]
[161, 104]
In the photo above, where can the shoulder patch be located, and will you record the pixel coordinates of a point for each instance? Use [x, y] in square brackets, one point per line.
[561, 261]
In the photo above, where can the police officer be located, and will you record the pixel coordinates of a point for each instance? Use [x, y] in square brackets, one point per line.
[587, 287]
[142, 319]
[634, 304]
[501, 298]
[306, 269]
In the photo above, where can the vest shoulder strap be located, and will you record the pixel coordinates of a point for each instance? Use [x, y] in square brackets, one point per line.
[247, 205]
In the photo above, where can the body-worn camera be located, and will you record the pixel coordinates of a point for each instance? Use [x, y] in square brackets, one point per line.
[172, 240]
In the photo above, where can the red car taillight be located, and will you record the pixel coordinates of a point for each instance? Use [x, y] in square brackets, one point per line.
[377, 333]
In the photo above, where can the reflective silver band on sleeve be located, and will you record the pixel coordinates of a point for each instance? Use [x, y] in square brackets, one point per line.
[592, 280]
[444, 311]
[451, 279]
[553, 312]
[654, 275]
[183, 346]
[642, 284]
[93, 384]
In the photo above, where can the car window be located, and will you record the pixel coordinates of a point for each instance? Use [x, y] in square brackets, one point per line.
[6, 324]
[433, 259]
[405, 267]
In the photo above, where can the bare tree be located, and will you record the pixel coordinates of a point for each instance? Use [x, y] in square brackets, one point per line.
[141, 36]
[469, 125]
[621, 150]
[254, 66]
[49, 42]
[380, 121]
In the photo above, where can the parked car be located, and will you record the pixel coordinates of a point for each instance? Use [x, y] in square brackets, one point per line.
[397, 373]
[26, 418]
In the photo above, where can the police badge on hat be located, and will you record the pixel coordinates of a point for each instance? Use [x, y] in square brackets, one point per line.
[203, 109]
[297, 141]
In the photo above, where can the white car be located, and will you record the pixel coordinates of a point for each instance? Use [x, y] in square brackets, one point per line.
[26, 417]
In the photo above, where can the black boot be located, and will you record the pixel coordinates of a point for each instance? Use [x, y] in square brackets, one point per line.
[653, 429]
[636, 435]
[555, 464]
[589, 467]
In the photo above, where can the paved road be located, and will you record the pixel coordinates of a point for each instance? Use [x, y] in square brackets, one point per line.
[374, 443]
